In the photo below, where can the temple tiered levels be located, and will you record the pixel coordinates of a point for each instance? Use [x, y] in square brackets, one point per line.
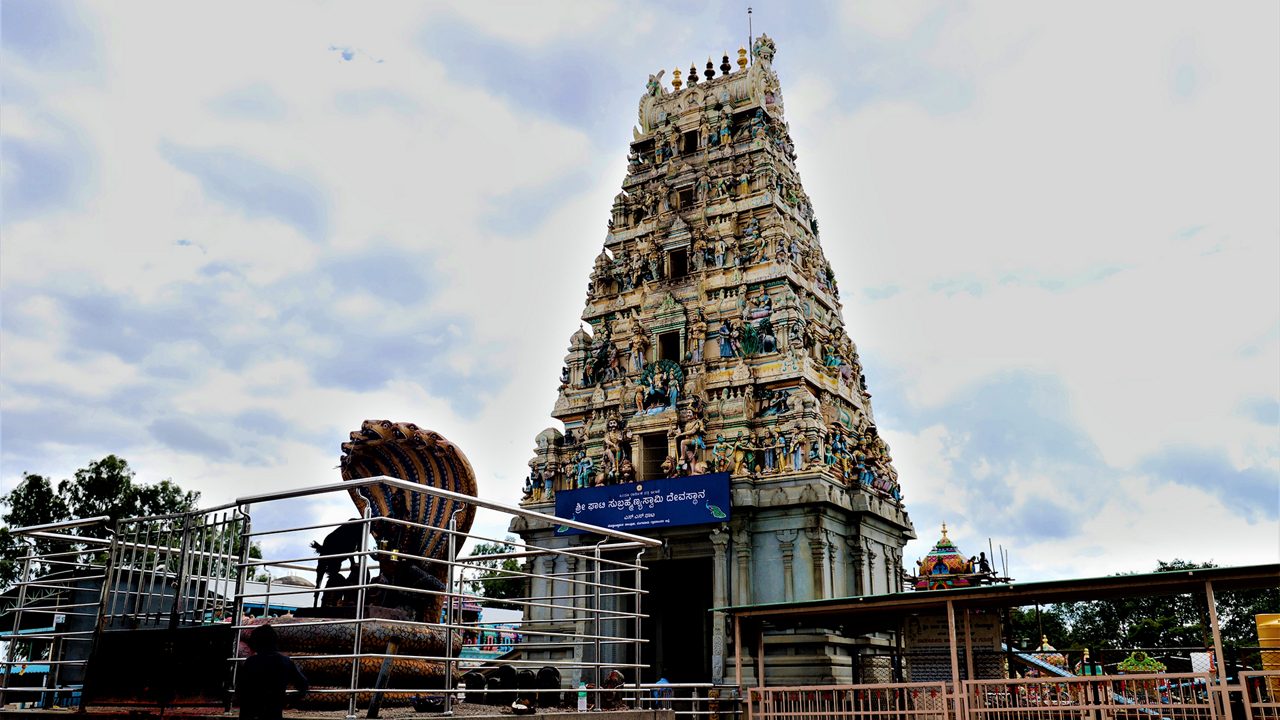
[712, 338]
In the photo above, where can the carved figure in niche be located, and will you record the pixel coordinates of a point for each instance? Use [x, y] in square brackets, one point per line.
[774, 402]
[697, 336]
[654, 270]
[691, 441]
[721, 248]
[532, 491]
[637, 394]
[548, 480]
[782, 444]
[703, 186]
[668, 468]
[613, 364]
[653, 88]
[696, 249]
[661, 381]
[725, 128]
[757, 123]
[635, 270]
[797, 451]
[769, 441]
[744, 455]
[753, 455]
[639, 346]
[627, 472]
[725, 334]
[614, 437]
[721, 454]
[585, 469]
[564, 376]
[723, 185]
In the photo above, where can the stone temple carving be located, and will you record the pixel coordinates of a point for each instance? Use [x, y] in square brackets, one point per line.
[712, 341]
[712, 337]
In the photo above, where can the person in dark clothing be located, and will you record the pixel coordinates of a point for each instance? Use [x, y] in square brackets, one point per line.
[265, 675]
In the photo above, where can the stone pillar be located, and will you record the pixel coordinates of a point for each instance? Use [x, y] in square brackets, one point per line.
[871, 568]
[720, 598]
[831, 561]
[548, 585]
[857, 560]
[742, 551]
[787, 544]
[818, 561]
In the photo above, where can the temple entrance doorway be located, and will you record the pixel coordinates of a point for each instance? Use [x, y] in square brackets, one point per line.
[678, 629]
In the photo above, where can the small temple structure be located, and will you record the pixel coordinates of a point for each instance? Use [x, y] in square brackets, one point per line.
[946, 567]
[711, 395]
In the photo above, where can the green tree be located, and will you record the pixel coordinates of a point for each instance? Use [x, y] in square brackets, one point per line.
[493, 578]
[1162, 621]
[1026, 627]
[33, 502]
[104, 487]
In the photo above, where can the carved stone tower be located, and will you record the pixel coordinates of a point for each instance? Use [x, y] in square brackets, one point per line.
[713, 341]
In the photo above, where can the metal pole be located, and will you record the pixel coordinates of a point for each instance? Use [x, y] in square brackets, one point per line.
[449, 600]
[237, 605]
[178, 608]
[595, 624]
[17, 625]
[639, 631]
[737, 652]
[1217, 648]
[955, 659]
[358, 626]
[760, 656]
[968, 646]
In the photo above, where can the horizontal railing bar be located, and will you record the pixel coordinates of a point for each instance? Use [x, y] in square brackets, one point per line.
[60, 525]
[448, 494]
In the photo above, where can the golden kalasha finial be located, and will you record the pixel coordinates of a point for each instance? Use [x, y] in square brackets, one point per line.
[742, 58]
[944, 532]
[675, 79]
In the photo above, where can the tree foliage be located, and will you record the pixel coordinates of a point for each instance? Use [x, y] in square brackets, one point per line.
[494, 578]
[1158, 621]
[104, 487]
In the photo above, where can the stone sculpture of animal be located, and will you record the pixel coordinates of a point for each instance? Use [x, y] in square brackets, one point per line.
[344, 540]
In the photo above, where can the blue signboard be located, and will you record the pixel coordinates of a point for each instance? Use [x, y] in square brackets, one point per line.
[690, 500]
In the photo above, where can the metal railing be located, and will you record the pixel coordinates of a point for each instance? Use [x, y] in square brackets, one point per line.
[1261, 694]
[1163, 696]
[901, 701]
[50, 621]
[581, 602]
[581, 607]
[1169, 696]
[693, 701]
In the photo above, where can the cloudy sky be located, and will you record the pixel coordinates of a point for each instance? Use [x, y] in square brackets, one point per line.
[231, 232]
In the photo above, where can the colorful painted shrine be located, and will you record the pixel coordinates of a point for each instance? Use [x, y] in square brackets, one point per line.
[946, 567]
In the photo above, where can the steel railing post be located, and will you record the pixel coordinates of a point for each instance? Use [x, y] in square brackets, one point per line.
[365, 514]
[449, 600]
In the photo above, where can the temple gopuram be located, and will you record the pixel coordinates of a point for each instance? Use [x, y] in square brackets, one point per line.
[711, 395]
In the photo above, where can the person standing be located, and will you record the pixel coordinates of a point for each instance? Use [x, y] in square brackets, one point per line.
[265, 676]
